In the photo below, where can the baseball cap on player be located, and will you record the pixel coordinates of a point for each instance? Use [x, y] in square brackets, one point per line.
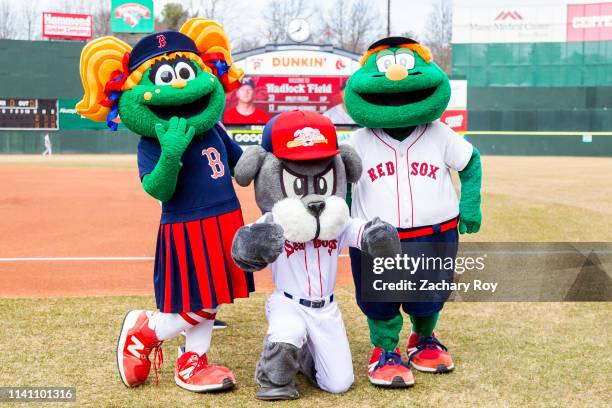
[300, 135]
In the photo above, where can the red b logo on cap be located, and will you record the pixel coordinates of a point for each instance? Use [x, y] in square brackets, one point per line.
[162, 41]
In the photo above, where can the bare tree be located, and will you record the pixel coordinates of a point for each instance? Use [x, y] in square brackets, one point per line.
[7, 20]
[31, 17]
[351, 24]
[278, 14]
[246, 44]
[439, 32]
[101, 16]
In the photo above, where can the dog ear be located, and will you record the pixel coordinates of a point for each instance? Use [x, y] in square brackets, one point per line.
[249, 165]
[352, 163]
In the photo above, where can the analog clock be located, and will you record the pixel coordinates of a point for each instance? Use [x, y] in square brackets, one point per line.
[298, 30]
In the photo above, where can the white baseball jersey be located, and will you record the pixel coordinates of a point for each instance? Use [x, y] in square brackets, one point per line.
[308, 269]
[408, 184]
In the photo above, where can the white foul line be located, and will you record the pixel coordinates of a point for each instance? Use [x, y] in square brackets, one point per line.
[81, 258]
[87, 258]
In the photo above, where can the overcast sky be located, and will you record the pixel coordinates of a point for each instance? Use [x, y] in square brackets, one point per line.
[406, 15]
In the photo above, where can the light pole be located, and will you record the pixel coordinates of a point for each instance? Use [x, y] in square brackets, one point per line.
[388, 18]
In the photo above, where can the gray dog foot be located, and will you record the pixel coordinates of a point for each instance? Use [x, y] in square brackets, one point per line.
[270, 393]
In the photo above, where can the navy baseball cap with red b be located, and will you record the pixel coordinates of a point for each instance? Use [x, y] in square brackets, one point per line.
[160, 43]
[300, 135]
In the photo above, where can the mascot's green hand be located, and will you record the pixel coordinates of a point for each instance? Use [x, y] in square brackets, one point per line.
[176, 138]
[161, 182]
[470, 215]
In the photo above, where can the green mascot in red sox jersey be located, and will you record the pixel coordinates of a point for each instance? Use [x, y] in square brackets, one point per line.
[398, 95]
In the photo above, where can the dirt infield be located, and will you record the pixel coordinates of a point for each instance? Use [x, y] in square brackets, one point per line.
[93, 206]
[55, 210]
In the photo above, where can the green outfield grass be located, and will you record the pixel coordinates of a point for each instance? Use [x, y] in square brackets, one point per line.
[507, 354]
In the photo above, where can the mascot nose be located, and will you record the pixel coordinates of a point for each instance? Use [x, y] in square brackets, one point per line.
[178, 83]
[316, 207]
[396, 72]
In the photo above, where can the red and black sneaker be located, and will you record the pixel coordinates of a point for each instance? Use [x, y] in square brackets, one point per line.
[428, 354]
[194, 374]
[386, 369]
[136, 341]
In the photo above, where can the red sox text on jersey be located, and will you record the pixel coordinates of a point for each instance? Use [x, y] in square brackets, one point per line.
[417, 169]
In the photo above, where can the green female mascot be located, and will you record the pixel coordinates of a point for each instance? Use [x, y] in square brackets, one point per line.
[170, 89]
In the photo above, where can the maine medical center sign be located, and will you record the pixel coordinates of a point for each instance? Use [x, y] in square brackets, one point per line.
[531, 24]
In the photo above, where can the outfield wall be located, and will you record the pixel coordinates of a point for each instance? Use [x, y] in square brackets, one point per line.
[49, 69]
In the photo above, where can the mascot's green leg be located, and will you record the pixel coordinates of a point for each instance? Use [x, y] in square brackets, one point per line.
[385, 333]
[424, 326]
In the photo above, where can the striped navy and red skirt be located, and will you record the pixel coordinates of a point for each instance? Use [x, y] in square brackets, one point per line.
[194, 269]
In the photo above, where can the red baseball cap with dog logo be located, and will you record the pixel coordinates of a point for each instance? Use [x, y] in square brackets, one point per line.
[300, 135]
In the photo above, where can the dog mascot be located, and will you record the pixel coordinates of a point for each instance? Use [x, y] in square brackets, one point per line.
[170, 89]
[398, 95]
[300, 183]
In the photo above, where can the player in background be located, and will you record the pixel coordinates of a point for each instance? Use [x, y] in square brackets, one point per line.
[48, 146]
[398, 95]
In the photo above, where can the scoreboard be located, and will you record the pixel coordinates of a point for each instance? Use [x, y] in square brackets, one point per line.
[26, 114]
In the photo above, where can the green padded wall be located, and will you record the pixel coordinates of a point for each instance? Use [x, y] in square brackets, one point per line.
[535, 64]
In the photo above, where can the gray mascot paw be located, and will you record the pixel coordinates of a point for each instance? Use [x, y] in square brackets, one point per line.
[257, 245]
[380, 239]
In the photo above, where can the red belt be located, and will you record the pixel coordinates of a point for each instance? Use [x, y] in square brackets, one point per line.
[429, 230]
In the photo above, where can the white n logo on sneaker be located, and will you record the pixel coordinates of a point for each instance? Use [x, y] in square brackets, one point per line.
[186, 373]
[136, 347]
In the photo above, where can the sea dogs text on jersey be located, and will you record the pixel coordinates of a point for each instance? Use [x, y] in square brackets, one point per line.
[416, 169]
[330, 246]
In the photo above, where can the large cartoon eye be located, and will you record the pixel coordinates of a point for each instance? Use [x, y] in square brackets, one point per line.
[294, 186]
[164, 75]
[405, 58]
[384, 62]
[184, 71]
[325, 184]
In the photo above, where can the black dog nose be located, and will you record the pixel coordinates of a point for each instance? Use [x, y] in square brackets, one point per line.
[316, 207]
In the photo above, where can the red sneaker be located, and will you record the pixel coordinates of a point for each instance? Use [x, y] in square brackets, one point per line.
[428, 354]
[194, 374]
[136, 341]
[386, 369]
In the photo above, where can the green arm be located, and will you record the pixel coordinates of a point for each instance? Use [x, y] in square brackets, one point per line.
[161, 182]
[470, 216]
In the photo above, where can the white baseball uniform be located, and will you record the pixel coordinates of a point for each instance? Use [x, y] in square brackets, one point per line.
[408, 184]
[308, 271]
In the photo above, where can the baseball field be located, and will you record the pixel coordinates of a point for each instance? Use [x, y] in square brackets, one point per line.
[76, 246]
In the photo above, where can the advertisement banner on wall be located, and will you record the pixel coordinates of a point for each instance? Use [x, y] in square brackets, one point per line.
[67, 26]
[270, 95]
[299, 62]
[456, 115]
[132, 16]
[509, 24]
[70, 119]
[589, 22]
